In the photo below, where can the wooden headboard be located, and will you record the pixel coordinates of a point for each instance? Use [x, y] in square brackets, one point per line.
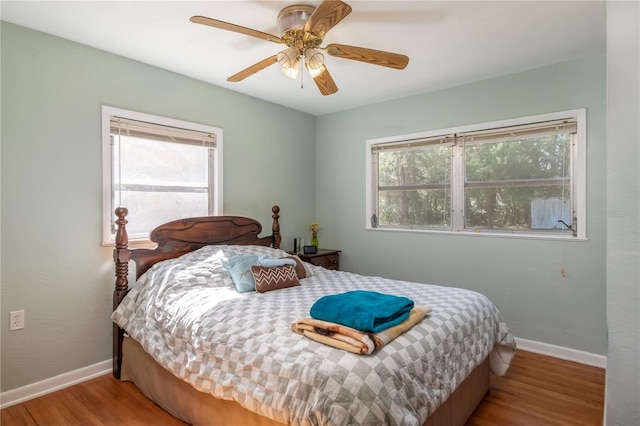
[175, 239]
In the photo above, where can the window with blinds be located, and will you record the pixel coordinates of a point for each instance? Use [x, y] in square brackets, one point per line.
[160, 169]
[413, 184]
[517, 177]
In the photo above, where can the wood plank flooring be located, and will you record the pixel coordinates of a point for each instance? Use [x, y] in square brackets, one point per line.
[540, 390]
[537, 390]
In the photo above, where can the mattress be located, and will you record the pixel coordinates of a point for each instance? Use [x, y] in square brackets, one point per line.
[188, 316]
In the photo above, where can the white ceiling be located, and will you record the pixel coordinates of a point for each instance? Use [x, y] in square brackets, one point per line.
[448, 42]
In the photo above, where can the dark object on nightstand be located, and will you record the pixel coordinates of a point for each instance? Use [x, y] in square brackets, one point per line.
[309, 249]
[328, 259]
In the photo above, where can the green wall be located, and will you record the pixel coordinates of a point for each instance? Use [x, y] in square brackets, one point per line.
[54, 267]
[53, 264]
[521, 276]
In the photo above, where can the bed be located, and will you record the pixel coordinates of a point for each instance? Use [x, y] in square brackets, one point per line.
[209, 354]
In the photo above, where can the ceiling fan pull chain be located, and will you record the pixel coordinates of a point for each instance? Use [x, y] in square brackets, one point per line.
[302, 67]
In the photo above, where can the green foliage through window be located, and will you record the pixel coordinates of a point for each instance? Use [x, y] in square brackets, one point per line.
[414, 186]
[504, 180]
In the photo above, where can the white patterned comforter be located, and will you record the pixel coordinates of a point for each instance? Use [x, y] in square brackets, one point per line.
[186, 313]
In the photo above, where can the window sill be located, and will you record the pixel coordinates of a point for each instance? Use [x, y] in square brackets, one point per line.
[490, 234]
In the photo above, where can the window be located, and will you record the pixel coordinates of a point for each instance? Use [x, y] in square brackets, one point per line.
[518, 177]
[160, 169]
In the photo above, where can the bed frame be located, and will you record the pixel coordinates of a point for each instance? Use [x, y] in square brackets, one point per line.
[174, 239]
[182, 236]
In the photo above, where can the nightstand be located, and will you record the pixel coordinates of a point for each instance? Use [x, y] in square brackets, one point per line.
[328, 259]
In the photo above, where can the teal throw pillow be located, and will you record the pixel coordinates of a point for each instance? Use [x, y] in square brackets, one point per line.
[239, 268]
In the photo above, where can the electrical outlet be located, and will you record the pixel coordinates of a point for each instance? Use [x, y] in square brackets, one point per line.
[16, 320]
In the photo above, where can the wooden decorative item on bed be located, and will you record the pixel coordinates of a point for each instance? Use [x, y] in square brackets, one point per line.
[230, 356]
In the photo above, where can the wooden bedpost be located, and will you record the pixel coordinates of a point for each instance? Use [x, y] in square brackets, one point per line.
[121, 256]
[275, 228]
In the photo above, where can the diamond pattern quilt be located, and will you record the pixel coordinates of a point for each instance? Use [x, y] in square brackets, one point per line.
[187, 314]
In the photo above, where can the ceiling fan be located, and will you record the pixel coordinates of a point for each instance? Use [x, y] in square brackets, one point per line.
[302, 29]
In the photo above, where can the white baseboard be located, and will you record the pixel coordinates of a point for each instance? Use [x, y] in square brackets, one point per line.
[561, 352]
[25, 393]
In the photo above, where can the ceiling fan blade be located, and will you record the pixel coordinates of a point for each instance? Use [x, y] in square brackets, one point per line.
[326, 16]
[235, 28]
[370, 56]
[325, 83]
[253, 69]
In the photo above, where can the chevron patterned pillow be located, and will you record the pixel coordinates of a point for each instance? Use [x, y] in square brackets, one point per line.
[274, 278]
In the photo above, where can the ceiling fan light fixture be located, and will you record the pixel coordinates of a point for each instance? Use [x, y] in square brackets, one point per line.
[293, 70]
[314, 72]
[294, 17]
[314, 58]
[287, 57]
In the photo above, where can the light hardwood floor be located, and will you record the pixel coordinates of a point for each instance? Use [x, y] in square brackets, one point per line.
[537, 390]
[540, 390]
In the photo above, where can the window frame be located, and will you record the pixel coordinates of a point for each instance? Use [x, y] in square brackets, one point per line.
[109, 204]
[578, 176]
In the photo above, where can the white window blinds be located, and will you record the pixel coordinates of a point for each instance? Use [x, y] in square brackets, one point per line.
[128, 127]
[520, 132]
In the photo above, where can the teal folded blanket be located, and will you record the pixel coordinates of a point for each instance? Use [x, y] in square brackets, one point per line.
[366, 311]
